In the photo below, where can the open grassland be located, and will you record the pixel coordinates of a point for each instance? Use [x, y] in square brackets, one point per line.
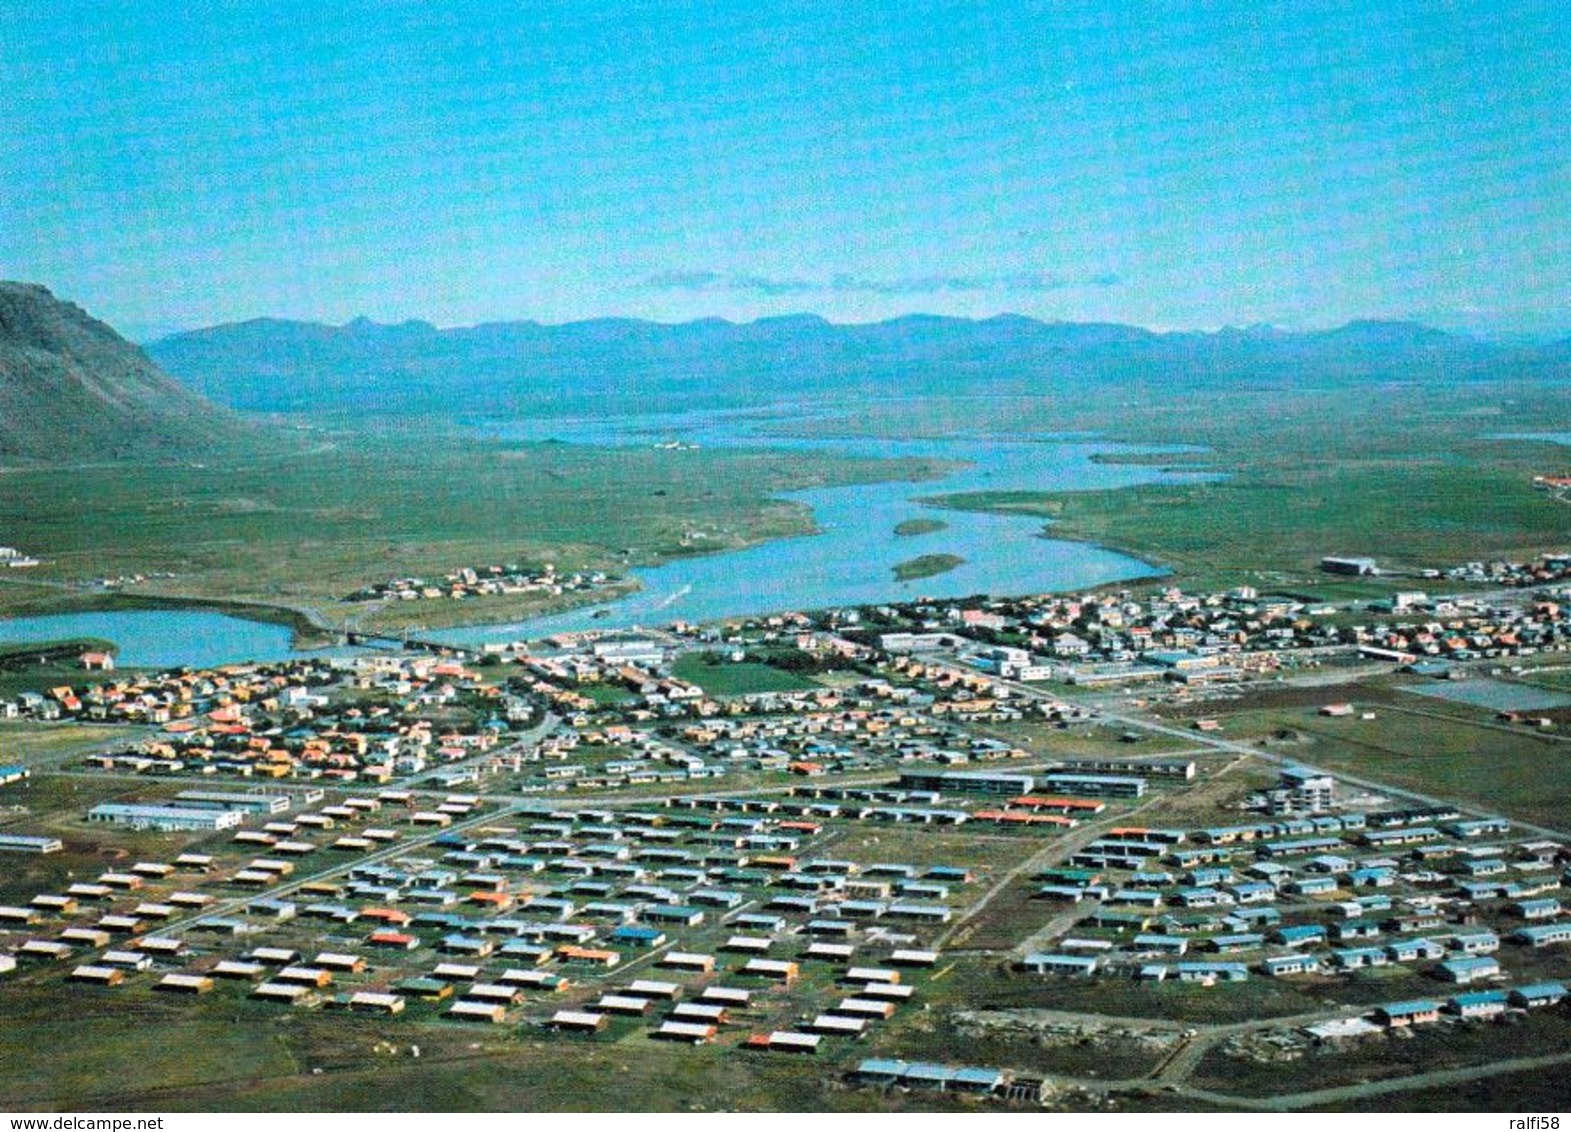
[30, 744]
[48, 1065]
[986, 855]
[1088, 741]
[1280, 522]
[1419, 1051]
[1533, 1090]
[315, 527]
[1216, 799]
[989, 984]
[1407, 474]
[1555, 679]
[1522, 773]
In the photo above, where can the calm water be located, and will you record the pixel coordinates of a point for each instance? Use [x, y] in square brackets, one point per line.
[1551, 437]
[1497, 695]
[160, 638]
[851, 561]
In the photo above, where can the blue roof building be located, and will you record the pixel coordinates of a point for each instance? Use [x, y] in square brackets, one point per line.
[1211, 972]
[883, 1070]
[1469, 968]
[1478, 1004]
[977, 1080]
[1277, 965]
[1538, 994]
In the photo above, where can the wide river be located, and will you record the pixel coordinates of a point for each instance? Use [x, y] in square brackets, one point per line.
[849, 562]
[163, 638]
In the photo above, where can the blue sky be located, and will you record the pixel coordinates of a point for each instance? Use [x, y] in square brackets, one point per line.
[1171, 165]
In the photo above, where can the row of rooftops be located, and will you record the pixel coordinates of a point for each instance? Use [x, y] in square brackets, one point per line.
[470, 581]
[1121, 628]
[413, 878]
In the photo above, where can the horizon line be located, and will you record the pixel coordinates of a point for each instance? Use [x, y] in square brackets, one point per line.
[1156, 330]
[1514, 328]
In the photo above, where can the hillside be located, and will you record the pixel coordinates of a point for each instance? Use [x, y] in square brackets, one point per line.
[71, 389]
[414, 367]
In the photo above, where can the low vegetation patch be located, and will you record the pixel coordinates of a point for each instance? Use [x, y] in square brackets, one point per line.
[721, 677]
[926, 566]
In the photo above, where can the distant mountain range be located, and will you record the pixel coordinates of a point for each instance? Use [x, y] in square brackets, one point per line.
[71, 390]
[284, 366]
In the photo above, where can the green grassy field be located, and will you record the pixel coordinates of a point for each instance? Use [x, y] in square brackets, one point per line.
[36, 667]
[607, 695]
[314, 527]
[48, 1066]
[1085, 741]
[30, 743]
[725, 678]
[1555, 680]
[1523, 774]
[1276, 523]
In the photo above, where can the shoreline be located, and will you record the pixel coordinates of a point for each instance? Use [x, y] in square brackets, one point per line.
[308, 632]
[1169, 463]
[311, 633]
[311, 628]
[121, 602]
[1051, 531]
[307, 636]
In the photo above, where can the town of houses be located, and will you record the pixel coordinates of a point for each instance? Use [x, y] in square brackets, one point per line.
[381, 717]
[482, 581]
[492, 838]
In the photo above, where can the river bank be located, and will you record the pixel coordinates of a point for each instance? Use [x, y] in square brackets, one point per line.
[865, 536]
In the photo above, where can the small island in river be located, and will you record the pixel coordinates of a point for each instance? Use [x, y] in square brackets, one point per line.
[926, 566]
[919, 527]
